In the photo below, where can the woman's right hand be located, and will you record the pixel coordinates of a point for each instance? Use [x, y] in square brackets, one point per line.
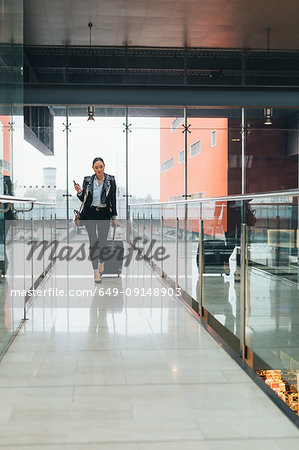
[78, 188]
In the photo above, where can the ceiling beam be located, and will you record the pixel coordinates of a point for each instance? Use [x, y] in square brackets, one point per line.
[132, 95]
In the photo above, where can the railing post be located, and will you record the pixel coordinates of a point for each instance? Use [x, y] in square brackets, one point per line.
[132, 227]
[24, 259]
[128, 224]
[143, 235]
[151, 237]
[162, 243]
[43, 238]
[51, 232]
[24, 263]
[32, 267]
[201, 267]
[177, 253]
[243, 296]
[55, 226]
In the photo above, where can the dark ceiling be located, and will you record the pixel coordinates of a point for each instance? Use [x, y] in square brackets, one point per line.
[163, 43]
[164, 23]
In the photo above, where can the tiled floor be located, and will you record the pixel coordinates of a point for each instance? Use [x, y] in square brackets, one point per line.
[127, 373]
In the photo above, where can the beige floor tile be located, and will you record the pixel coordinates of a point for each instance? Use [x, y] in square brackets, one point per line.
[136, 430]
[18, 357]
[130, 374]
[243, 424]
[243, 444]
[83, 446]
[29, 433]
[186, 445]
[287, 444]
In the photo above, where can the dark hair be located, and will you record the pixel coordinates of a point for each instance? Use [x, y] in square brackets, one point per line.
[97, 159]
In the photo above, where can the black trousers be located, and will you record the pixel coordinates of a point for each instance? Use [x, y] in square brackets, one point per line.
[97, 224]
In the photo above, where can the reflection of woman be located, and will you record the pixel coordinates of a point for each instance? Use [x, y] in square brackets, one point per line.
[99, 208]
[100, 311]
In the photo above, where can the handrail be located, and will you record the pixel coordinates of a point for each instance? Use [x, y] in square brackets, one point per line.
[226, 198]
[44, 203]
[13, 199]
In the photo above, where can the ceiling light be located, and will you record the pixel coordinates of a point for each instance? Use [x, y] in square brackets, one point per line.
[268, 113]
[90, 112]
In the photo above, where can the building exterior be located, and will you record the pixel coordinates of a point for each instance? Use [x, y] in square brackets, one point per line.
[214, 159]
[207, 158]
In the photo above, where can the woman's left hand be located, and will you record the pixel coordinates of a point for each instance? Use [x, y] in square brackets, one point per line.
[115, 223]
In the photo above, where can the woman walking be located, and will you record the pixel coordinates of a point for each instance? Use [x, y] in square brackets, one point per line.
[99, 208]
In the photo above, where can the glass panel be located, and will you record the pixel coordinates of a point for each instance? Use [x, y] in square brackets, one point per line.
[221, 291]
[185, 250]
[156, 232]
[271, 150]
[272, 329]
[102, 137]
[46, 147]
[169, 213]
[214, 152]
[193, 221]
[273, 281]
[155, 170]
[11, 141]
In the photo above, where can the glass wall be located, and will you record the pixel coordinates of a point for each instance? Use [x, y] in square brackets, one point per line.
[271, 158]
[162, 157]
[45, 147]
[213, 163]
[11, 140]
[253, 307]
[102, 137]
[156, 162]
[170, 154]
[243, 271]
[272, 312]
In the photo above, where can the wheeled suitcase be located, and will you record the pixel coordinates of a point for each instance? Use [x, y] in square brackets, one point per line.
[113, 260]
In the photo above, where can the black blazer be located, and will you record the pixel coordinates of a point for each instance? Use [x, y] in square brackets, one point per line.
[108, 195]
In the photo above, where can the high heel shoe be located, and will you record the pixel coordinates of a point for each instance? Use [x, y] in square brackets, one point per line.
[97, 277]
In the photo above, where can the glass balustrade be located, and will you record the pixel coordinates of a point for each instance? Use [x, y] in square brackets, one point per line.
[24, 268]
[236, 261]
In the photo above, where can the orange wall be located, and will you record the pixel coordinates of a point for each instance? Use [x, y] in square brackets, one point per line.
[171, 181]
[207, 172]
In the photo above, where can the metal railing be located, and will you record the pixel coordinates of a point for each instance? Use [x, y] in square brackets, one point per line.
[291, 192]
[22, 274]
[27, 230]
[252, 255]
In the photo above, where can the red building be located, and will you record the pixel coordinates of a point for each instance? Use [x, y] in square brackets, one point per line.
[207, 158]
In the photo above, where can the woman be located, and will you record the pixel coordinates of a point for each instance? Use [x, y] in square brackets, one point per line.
[99, 208]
